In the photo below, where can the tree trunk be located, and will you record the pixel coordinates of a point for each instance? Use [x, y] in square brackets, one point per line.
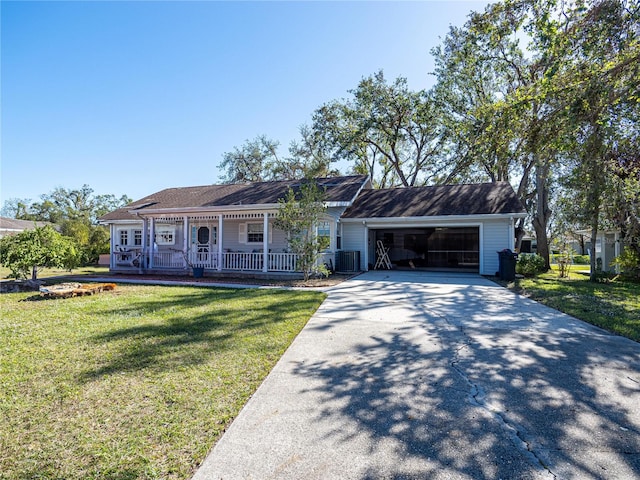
[34, 273]
[519, 234]
[593, 276]
[542, 213]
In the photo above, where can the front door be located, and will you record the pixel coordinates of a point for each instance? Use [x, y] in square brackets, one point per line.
[203, 244]
[202, 240]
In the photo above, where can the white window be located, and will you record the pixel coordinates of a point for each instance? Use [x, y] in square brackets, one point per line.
[165, 235]
[255, 233]
[324, 232]
[137, 238]
[124, 237]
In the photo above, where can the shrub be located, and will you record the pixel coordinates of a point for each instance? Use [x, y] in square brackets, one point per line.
[564, 260]
[530, 264]
[581, 259]
[629, 263]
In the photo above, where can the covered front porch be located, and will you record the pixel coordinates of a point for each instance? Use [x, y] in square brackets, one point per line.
[235, 241]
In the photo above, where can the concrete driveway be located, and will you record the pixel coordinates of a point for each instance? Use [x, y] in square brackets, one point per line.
[440, 376]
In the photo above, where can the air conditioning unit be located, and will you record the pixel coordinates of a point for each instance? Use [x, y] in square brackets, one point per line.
[348, 261]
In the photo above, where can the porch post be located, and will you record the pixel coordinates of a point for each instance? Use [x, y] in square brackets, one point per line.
[185, 240]
[145, 242]
[152, 241]
[219, 239]
[112, 241]
[265, 242]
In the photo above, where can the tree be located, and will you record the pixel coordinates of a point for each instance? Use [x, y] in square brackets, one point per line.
[298, 216]
[75, 211]
[513, 113]
[250, 162]
[15, 208]
[499, 124]
[32, 250]
[386, 131]
[65, 204]
[598, 84]
[258, 160]
[308, 158]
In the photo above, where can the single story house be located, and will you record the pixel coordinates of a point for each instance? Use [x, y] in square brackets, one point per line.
[13, 226]
[229, 228]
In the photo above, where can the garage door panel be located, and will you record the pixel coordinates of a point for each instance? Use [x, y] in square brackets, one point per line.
[446, 247]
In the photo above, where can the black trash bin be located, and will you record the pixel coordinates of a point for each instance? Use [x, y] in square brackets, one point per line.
[507, 264]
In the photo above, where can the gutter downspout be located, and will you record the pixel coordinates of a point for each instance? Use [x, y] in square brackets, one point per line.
[512, 234]
[365, 261]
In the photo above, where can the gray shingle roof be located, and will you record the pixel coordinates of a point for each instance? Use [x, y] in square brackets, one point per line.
[475, 199]
[15, 224]
[338, 189]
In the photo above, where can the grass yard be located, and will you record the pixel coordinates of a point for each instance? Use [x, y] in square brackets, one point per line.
[137, 383]
[55, 272]
[614, 306]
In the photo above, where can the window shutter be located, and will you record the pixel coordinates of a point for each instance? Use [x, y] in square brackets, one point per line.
[242, 233]
[270, 233]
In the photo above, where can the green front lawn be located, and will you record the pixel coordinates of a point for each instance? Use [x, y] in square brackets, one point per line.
[614, 306]
[137, 383]
[57, 272]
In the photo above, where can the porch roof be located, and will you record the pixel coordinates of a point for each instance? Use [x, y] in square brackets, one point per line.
[445, 200]
[206, 198]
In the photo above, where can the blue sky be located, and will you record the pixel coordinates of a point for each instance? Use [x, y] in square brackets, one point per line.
[134, 97]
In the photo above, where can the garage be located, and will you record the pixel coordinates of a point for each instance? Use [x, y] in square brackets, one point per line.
[446, 228]
[433, 248]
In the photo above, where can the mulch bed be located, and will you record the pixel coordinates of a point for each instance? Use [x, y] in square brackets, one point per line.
[68, 290]
[330, 281]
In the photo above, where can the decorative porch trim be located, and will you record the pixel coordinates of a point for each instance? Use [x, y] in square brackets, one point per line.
[168, 220]
[242, 216]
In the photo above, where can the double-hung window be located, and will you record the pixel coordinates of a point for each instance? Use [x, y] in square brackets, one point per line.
[124, 237]
[137, 238]
[324, 233]
[165, 235]
[255, 233]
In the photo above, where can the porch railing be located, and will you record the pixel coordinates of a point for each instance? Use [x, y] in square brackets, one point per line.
[241, 261]
[244, 261]
[283, 262]
[207, 260]
[276, 262]
[170, 259]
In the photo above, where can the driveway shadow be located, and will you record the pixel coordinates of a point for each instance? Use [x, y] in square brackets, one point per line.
[471, 381]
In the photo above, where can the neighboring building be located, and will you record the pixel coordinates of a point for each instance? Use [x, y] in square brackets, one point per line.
[12, 226]
[230, 227]
[609, 245]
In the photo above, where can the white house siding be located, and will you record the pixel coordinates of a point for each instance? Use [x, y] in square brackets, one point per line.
[353, 239]
[494, 236]
[231, 236]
